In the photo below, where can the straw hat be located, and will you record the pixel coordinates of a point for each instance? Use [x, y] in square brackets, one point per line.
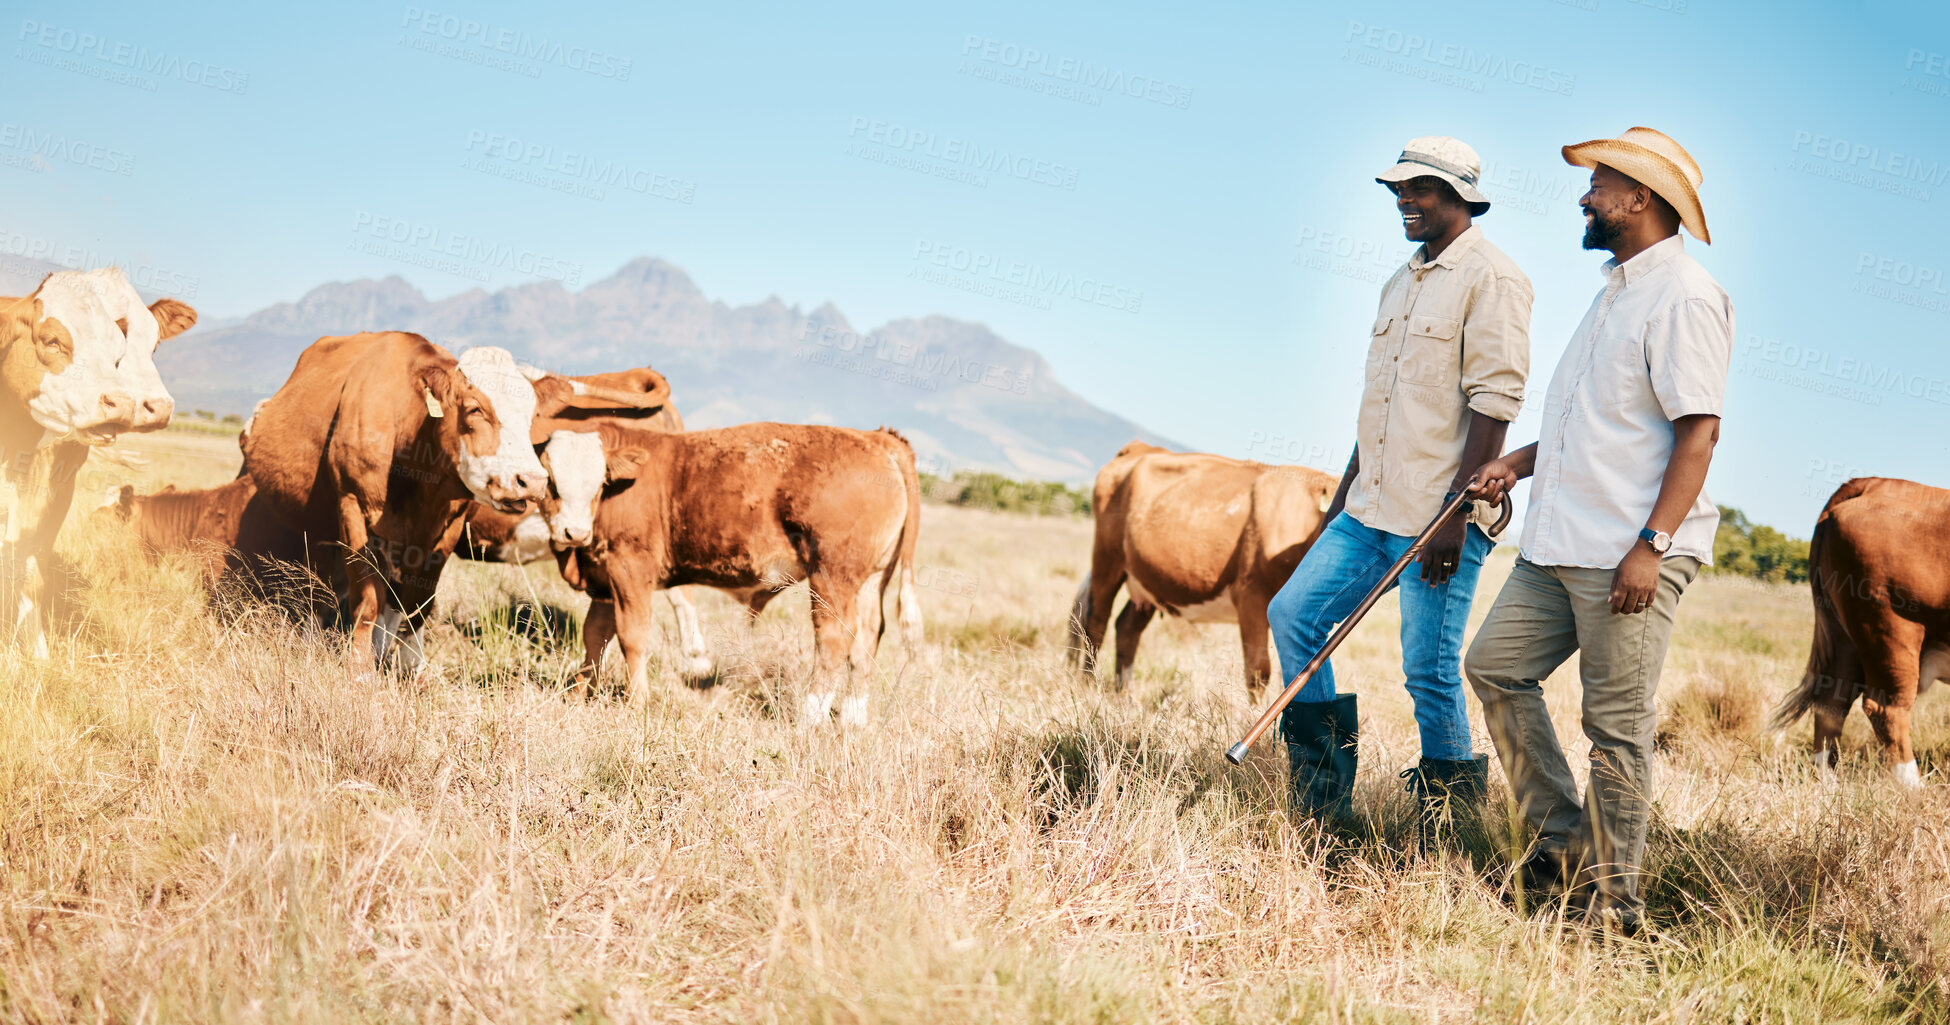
[1439, 156]
[1652, 159]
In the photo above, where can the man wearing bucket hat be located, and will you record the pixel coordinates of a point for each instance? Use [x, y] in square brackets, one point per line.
[1618, 523]
[1447, 360]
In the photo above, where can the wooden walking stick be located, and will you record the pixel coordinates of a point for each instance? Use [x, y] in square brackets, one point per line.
[1236, 754]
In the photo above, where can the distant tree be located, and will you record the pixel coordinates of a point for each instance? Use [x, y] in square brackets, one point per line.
[1744, 548]
[981, 489]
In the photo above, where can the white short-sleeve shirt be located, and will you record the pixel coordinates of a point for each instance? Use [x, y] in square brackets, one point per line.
[1654, 347]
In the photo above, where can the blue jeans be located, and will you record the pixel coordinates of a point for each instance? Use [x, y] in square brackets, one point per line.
[1339, 570]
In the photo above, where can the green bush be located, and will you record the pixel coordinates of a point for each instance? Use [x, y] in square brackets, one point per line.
[985, 490]
[1744, 548]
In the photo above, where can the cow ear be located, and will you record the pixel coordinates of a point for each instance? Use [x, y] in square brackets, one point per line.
[552, 394]
[172, 318]
[624, 464]
[436, 387]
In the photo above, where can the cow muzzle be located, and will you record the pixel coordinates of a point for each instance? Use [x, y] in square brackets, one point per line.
[153, 414]
[569, 537]
[517, 496]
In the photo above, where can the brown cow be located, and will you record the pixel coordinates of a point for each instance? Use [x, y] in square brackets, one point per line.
[492, 536]
[1879, 568]
[1200, 536]
[750, 509]
[76, 371]
[230, 531]
[374, 448]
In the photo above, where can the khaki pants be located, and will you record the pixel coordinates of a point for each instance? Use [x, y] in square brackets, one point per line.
[1542, 615]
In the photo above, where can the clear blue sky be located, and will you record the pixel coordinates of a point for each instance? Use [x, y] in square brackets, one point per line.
[1217, 237]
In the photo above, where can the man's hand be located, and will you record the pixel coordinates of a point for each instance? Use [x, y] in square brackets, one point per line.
[1636, 580]
[1495, 478]
[1443, 553]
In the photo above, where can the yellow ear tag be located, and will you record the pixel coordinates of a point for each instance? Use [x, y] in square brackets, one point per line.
[433, 404]
[1326, 501]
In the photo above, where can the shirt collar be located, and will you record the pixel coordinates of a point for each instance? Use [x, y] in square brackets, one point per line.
[1645, 262]
[1450, 255]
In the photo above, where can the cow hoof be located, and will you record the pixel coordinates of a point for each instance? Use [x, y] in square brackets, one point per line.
[853, 712]
[1906, 775]
[815, 710]
[699, 667]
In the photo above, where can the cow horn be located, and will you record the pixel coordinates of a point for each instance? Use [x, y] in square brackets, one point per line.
[621, 397]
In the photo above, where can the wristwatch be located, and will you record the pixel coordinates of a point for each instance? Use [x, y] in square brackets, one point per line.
[1658, 539]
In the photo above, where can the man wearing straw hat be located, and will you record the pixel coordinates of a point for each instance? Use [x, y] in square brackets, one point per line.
[1618, 522]
[1447, 360]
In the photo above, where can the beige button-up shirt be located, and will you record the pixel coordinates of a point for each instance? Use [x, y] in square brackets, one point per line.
[1653, 347]
[1452, 335]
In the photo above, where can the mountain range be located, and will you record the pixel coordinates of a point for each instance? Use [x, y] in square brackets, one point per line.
[965, 397]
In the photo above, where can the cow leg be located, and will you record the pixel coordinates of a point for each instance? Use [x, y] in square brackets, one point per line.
[697, 657]
[598, 628]
[1890, 668]
[833, 623]
[362, 578]
[636, 634]
[868, 621]
[27, 617]
[1100, 596]
[1830, 714]
[1130, 629]
[756, 600]
[1250, 608]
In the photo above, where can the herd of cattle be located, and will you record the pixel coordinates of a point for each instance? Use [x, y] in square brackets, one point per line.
[383, 455]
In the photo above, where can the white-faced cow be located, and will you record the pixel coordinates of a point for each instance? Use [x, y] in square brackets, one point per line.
[374, 448]
[752, 510]
[1879, 569]
[1200, 536]
[76, 372]
[632, 398]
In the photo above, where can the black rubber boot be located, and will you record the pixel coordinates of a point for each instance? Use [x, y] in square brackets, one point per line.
[1446, 791]
[1322, 745]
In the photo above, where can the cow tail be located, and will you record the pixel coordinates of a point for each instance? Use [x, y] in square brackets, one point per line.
[1831, 653]
[907, 598]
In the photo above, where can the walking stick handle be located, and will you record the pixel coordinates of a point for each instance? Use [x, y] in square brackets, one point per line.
[1236, 754]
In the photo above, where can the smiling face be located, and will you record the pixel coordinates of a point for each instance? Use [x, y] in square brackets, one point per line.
[1430, 209]
[1607, 205]
[496, 406]
[80, 351]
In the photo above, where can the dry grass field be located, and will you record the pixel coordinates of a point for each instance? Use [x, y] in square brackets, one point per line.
[203, 819]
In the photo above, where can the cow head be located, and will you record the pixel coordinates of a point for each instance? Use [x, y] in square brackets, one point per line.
[576, 475]
[495, 408]
[580, 465]
[79, 353]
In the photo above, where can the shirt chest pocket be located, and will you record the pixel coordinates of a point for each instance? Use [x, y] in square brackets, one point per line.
[1619, 378]
[1432, 351]
[1381, 349]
